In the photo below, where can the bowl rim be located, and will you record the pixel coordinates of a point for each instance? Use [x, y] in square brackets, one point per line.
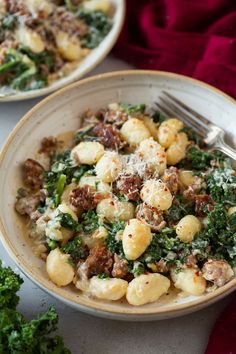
[22, 96]
[100, 307]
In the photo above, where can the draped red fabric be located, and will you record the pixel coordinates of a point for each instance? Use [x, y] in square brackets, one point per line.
[223, 337]
[192, 37]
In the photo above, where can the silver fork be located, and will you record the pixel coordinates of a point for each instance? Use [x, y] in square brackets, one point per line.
[212, 135]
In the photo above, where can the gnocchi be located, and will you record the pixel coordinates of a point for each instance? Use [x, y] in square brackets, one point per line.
[87, 152]
[156, 194]
[147, 288]
[68, 47]
[187, 228]
[58, 268]
[134, 131]
[189, 280]
[97, 5]
[108, 167]
[136, 238]
[95, 183]
[177, 149]
[115, 209]
[30, 39]
[108, 289]
[153, 154]
[168, 130]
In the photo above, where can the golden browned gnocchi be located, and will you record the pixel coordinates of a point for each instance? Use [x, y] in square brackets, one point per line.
[146, 288]
[156, 194]
[177, 149]
[136, 209]
[168, 131]
[189, 280]
[153, 154]
[134, 131]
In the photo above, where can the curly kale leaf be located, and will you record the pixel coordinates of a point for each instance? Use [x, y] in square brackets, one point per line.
[75, 249]
[62, 172]
[99, 26]
[89, 222]
[221, 184]
[179, 208]
[17, 336]
[218, 239]
[10, 283]
[131, 109]
[200, 160]
[158, 117]
[113, 244]
[192, 135]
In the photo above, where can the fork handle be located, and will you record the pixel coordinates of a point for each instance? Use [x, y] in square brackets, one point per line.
[225, 148]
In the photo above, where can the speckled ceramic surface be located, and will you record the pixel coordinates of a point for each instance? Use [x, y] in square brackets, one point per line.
[85, 66]
[59, 113]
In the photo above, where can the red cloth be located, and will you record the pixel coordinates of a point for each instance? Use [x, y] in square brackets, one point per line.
[223, 337]
[191, 37]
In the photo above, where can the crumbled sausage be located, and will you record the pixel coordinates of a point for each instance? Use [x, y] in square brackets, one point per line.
[162, 266]
[217, 271]
[100, 260]
[49, 146]
[129, 185]
[171, 179]
[27, 205]
[33, 174]
[191, 192]
[109, 136]
[114, 116]
[191, 261]
[152, 216]
[203, 204]
[83, 197]
[67, 22]
[120, 267]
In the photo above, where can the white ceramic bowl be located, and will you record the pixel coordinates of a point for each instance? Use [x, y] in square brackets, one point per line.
[59, 113]
[85, 66]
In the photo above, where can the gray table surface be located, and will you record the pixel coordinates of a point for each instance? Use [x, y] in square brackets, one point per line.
[85, 334]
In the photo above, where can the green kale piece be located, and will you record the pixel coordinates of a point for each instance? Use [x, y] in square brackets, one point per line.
[179, 208]
[45, 58]
[200, 160]
[103, 276]
[10, 283]
[218, 239]
[131, 109]
[165, 246]
[17, 336]
[221, 185]
[192, 135]
[99, 26]
[68, 222]
[89, 221]
[137, 268]
[85, 135]
[61, 173]
[75, 249]
[114, 245]
[158, 117]
[9, 21]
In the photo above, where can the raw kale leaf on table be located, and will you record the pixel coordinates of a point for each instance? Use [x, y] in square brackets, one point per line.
[18, 336]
